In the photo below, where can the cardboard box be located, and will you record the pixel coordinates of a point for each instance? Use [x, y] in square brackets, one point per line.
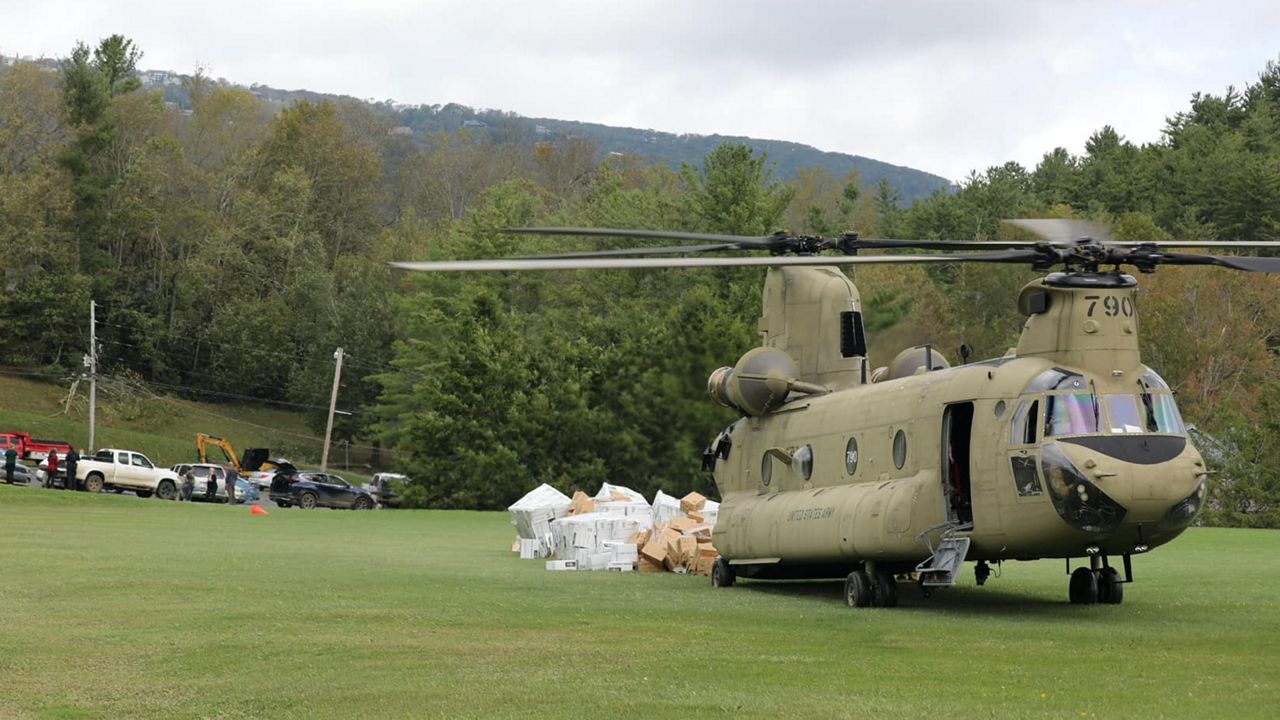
[562, 565]
[530, 549]
[697, 517]
[654, 552]
[702, 532]
[647, 565]
[708, 550]
[683, 524]
[703, 565]
[580, 504]
[692, 502]
[688, 550]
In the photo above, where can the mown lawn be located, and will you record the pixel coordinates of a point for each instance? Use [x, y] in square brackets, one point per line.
[115, 606]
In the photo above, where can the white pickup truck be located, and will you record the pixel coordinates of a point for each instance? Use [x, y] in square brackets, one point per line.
[126, 470]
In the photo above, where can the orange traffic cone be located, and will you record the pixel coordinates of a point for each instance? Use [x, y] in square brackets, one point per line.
[257, 510]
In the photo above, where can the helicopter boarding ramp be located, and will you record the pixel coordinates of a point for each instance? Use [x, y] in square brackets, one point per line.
[941, 569]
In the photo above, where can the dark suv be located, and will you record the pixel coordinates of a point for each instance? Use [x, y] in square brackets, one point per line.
[291, 486]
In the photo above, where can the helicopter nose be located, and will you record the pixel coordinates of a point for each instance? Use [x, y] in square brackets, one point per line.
[1147, 475]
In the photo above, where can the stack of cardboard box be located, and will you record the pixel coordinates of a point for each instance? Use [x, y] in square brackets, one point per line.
[532, 515]
[681, 545]
[617, 530]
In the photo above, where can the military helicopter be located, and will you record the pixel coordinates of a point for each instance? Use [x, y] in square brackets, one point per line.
[1066, 447]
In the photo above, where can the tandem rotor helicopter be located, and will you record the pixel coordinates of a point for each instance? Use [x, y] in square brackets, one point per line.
[1065, 447]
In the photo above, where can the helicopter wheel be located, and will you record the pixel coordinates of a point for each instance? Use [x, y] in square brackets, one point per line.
[722, 574]
[857, 589]
[1110, 588]
[1083, 589]
[885, 590]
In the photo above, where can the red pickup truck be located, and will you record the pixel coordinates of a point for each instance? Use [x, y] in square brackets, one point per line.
[29, 448]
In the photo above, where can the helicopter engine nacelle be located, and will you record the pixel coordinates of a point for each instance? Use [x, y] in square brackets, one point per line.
[910, 361]
[758, 383]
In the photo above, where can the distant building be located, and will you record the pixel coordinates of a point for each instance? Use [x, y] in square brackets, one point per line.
[541, 130]
[401, 130]
[474, 124]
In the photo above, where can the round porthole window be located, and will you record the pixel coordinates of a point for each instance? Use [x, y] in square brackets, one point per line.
[999, 409]
[899, 449]
[851, 456]
[766, 469]
[802, 462]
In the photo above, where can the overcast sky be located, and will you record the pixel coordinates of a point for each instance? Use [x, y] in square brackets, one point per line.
[946, 87]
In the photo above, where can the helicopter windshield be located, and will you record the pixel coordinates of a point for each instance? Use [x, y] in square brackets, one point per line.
[1070, 414]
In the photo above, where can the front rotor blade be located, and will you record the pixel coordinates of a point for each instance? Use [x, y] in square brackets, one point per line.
[761, 241]
[887, 243]
[1235, 262]
[511, 264]
[1213, 244]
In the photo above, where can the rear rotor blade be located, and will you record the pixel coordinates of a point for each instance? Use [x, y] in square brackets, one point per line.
[1008, 256]
[636, 252]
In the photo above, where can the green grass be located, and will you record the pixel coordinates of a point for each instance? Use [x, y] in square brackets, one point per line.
[161, 427]
[119, 607]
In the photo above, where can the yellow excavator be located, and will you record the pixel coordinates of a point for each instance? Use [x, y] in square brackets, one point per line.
[254, 458]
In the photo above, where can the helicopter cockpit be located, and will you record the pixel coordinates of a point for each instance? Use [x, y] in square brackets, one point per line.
[1141, 427]
[1072, 407]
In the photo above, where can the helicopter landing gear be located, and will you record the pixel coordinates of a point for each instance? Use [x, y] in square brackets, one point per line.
[1083, 589]
[1099, 583]
[857, 589]
[722, 574]
[1110, 586]
[871, 588]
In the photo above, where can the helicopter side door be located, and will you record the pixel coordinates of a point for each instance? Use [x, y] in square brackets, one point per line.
[957, 465]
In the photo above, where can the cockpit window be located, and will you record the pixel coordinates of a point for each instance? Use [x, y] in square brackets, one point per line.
[1152, 381]
[1022, 429]
[1070, 414]
[1162, 414]
[1055, 379]
[1122, 414]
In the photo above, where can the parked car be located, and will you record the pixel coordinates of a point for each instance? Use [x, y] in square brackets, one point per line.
[308, 490]
[246, 492]
[42, 474]
[387, 489]
[266, 471]
[126, 470]
[24, 474]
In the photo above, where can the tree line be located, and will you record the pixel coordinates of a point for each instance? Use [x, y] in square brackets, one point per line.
[231, 248]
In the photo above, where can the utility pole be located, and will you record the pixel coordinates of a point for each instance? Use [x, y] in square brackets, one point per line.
[91, 360]
[333, 403]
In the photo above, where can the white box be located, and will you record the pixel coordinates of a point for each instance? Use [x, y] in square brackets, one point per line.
[562, 565]
[598, 561]
[530, 549]
[620, 567]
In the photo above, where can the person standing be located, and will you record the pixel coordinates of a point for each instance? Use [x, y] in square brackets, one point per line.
[210, 485]
[73, 459]
[188, 485]
[53, 466]
[10, 461]
[231, 486]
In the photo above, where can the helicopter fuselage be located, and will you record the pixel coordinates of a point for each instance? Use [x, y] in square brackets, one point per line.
[1066, 447]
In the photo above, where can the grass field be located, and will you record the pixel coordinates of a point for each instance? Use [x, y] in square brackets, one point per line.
[115, 606]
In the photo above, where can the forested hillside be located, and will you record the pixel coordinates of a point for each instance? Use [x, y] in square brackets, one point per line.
[231, 249]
